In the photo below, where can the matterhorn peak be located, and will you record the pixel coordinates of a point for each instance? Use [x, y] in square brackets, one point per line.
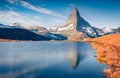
[73, 17]
[75, 11]
[76, 19]
[76, 23]
[79, 24]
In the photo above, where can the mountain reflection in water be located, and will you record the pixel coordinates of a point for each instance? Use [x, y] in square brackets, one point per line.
[76, 55]
[48, 60]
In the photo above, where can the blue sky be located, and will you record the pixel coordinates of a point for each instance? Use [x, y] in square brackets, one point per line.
[99, 13]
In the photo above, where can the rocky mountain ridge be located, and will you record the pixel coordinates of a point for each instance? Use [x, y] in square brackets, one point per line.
[76, 28]
[75, 23]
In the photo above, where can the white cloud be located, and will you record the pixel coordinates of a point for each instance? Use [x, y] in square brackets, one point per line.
[41, 10]
[36, 17]
[12, 17]
[13, 1]
[37, 9]
[59, 21]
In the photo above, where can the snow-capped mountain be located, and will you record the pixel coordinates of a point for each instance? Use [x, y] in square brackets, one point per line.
[4, 26]
[100, 31]
[118, 30]
[33, 28]
[75, 23]
[75, 28]
[108, 30]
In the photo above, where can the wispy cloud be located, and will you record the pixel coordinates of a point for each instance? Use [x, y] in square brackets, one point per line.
[36, 17]
[13, 1]
[59, 21]
[40, 9]
[13, 17]
[34, 8]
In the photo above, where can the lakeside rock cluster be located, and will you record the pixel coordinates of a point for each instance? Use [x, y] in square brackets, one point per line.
[108, 52]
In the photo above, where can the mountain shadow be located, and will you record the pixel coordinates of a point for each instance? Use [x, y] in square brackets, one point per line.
[20, 34]
[54, 36]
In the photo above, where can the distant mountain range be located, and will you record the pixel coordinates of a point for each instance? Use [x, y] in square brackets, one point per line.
[20, 34]
[75, 28]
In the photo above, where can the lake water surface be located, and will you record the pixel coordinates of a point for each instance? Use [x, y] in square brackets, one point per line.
[49, 60]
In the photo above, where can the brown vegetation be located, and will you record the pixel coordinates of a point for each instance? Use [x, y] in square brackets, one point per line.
[7, 40]
[108, 52]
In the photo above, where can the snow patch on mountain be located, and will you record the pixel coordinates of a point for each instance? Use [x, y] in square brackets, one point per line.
[54, 28]
[89, 30]
[107, 30]
[69, 27]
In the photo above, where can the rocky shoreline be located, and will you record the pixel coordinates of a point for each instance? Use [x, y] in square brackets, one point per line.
[8, 40]
[108, 52]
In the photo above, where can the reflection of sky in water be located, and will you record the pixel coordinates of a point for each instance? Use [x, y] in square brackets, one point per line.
[47, 59]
